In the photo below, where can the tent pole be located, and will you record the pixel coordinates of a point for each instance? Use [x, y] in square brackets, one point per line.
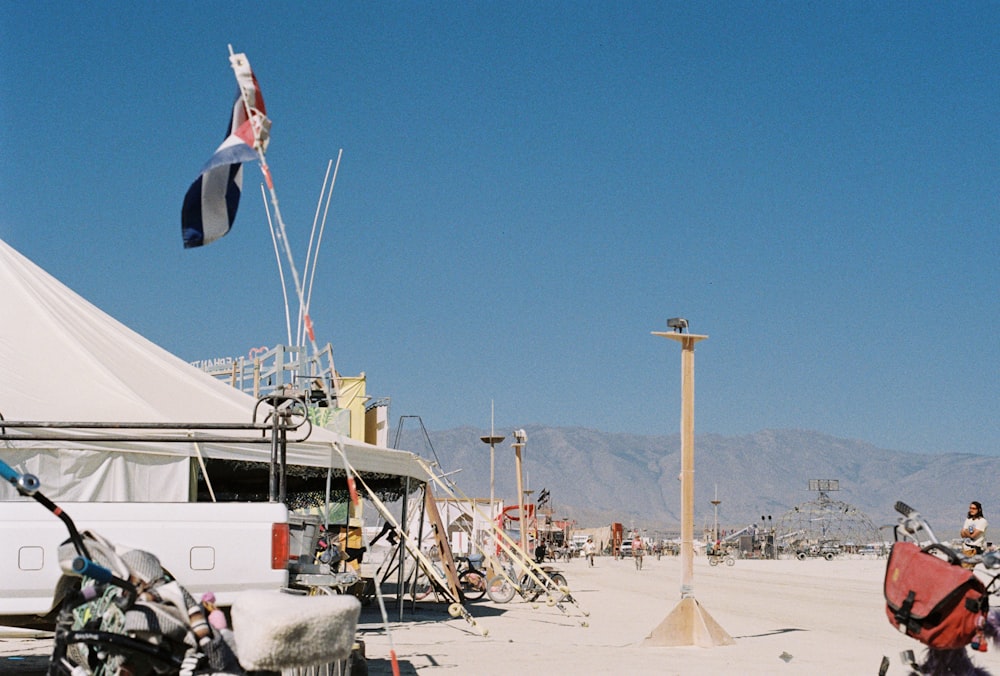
[420, 527]
[272, 486]
[282, 467]
[400, 577]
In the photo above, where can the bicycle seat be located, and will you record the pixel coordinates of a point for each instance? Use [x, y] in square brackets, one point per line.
[276, 631]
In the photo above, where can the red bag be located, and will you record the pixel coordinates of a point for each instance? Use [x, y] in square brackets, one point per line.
[931, 599]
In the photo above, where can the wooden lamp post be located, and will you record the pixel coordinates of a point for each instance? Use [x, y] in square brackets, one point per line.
[688, 623]
[521, 439]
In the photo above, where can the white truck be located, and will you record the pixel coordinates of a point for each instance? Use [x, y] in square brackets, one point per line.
[225, 547]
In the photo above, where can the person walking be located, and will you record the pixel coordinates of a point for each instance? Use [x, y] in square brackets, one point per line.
[588, 551]
[974, 528]
[637, 552]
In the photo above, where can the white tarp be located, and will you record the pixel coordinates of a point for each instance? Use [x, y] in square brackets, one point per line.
[63, 359]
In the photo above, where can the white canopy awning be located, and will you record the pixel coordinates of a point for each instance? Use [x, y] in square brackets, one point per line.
[63, 359]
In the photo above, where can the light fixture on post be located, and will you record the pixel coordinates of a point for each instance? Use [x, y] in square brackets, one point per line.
[688, 623]
[678, 324]
[715, 503]
[492, 440]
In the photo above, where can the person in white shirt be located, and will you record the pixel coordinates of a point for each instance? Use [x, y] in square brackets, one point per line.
[974, 528]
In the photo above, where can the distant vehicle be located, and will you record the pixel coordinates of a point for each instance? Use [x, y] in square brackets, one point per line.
[626, 549]
[828, 550]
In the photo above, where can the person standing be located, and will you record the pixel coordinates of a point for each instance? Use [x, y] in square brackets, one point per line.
[637, 552]
[974, 528]
[588, 551]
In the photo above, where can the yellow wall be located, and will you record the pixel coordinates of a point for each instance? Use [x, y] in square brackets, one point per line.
[353, 397]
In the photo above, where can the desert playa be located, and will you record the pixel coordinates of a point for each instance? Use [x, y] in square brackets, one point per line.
[785, 617]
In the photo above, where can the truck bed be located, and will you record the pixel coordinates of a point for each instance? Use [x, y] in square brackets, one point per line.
[220, 547]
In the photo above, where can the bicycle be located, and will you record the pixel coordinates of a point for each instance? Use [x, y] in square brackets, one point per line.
[120, 612]
[975, 620]
[471, 580]
[716, 559]
[502, 588]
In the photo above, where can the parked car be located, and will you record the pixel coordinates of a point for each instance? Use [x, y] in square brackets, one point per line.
[828, 550]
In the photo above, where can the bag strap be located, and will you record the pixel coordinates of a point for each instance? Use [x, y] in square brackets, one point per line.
[980, 605]
[903, 616]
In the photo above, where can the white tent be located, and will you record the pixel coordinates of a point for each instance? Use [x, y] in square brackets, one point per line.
[63, 359]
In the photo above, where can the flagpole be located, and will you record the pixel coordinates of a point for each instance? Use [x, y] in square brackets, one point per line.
[258, 123]
[281, 271]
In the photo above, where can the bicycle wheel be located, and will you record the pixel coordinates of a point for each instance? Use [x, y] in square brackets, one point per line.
[473, 584]
[530, 590]
[499, 589]
[558, 585]
[422, 587]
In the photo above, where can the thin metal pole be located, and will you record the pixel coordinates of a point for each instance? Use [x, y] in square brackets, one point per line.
[420, 536]
[281, 271]
[401, 577]
[493, 513]
[283, 460]
[272, 485]
[322, 228]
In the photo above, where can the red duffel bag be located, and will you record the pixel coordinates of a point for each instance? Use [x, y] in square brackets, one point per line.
[931, 599]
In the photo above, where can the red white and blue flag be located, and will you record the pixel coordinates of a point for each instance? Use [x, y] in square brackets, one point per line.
[212, 200]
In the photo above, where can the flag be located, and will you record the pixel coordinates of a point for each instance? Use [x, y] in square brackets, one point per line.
[212, 200]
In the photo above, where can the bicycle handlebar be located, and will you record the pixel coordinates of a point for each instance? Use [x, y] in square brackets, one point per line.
[82, 567]
[26, 484]
[8, 473]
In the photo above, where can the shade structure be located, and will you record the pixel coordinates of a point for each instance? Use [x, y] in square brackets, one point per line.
[64, 359]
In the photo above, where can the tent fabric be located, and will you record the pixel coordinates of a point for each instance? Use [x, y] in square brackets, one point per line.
[63, 359]
[86, 476]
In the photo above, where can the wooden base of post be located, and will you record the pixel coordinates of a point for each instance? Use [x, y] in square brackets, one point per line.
[688, 624]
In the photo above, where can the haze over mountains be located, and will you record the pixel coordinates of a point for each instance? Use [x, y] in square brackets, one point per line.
[597, 477]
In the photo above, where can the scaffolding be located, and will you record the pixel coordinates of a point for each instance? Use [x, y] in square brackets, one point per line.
[826, 527]
[283, 368]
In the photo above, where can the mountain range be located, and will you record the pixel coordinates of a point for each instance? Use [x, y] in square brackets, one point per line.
[596, 478]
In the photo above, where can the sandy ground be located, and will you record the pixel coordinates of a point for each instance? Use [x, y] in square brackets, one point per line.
[785, 617]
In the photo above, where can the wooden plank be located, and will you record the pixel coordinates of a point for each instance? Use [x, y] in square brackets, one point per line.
[443, 546]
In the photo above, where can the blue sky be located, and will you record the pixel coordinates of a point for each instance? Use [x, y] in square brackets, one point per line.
[528, 190]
